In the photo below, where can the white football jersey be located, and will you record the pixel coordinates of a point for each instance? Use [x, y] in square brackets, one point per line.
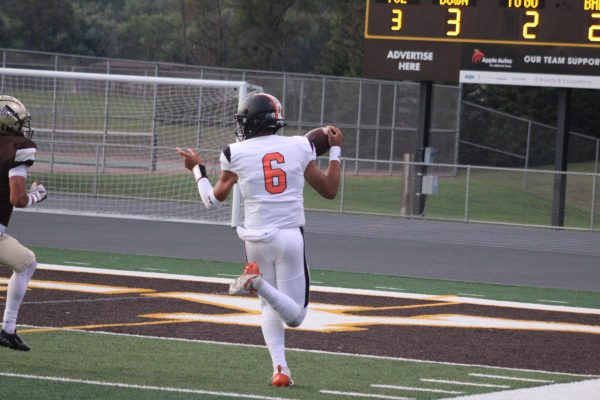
[271, 178]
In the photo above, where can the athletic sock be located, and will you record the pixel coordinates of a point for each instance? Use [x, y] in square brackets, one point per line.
[17, 287]
[274, 334]
[287, 309]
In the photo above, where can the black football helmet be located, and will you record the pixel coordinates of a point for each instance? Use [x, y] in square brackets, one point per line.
[14, 118]
[258, 113]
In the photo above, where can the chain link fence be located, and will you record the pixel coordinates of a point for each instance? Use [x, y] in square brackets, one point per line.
[379, 120]
[469, 194]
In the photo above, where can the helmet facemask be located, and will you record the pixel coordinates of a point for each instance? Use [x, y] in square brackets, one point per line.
[15, 120]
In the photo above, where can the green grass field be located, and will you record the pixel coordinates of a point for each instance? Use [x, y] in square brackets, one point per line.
[209, 370]
[92, 365]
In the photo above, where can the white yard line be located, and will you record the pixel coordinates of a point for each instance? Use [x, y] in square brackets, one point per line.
[414, 389]
[554, 301]
[511, 378]
[446, 382]
[388, 288]
[367, 395]
[584, 390]
[330, 289]
[101, 299]
[139, 387]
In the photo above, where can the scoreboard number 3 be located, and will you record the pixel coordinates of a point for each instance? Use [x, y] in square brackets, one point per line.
[396, 19]
[454, 21]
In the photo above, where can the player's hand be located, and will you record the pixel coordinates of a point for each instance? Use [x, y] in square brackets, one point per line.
[39, 191]
[190, 157]
[334, 136]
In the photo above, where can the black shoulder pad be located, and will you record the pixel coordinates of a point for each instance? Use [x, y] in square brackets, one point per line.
[227, 152]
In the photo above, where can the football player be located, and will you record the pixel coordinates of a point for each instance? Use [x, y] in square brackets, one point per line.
[17, 154]
[270, 170]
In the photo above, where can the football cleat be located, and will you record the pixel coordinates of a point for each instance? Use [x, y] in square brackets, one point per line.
[282, 378]
[13, 341]
[245, 282]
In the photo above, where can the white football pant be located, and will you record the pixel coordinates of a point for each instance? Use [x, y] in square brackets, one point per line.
[284, 287]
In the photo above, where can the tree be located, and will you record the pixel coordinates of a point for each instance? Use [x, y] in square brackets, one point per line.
[151, 30]
[342, 54]
[205, 25]
[100, 26]
[273, 34]
[51, 26]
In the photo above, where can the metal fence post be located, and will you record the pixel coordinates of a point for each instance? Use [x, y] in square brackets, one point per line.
[106, 112]
[376, 151]
[594, 179]
[358, 122]
[527, 151]
[199, 122]
[95, 181]
[597, 156]
[467, 189]
[154, 144]
[54, 114]
[342, 189]
[300, 98]
[459, 111]
[284, 94]
[593, 207]
[393, 126]
[322, 117]
[3, 66]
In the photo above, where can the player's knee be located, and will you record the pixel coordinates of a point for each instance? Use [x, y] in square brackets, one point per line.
[27, 261]
[297, 320]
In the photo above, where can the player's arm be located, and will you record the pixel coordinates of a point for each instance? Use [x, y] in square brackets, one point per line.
[18, 193]
[19, 197]
[211, 196]
[326, 184]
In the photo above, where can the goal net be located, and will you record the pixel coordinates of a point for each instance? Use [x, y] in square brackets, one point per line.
[106, 143]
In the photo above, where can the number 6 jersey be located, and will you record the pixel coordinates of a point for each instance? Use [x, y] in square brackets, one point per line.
[271, 178]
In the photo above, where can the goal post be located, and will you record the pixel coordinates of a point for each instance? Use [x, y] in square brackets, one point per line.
[106, 142]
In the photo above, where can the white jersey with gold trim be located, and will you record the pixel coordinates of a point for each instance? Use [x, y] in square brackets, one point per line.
[271, 178]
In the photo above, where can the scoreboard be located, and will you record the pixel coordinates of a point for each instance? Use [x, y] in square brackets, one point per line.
[516, 42]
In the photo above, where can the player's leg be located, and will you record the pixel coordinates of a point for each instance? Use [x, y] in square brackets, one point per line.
[281, 261]
[264, 254]
[22, 262]
[286, 289]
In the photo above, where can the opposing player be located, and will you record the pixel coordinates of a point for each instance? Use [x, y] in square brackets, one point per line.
[17, 154]
[271, 170]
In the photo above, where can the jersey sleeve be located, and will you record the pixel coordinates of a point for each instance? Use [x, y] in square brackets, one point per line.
[25, 154]
[226, 159]
[310, 152]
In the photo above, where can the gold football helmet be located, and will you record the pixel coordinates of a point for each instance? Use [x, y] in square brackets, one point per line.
[14, 117]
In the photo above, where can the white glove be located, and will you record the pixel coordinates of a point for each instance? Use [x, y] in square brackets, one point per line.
[36, 194]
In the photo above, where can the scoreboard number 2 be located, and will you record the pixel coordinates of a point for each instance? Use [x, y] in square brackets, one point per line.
[594, 31]
[529, 26]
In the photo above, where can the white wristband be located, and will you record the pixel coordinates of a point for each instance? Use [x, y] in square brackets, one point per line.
[335, 153]
[32, 199]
